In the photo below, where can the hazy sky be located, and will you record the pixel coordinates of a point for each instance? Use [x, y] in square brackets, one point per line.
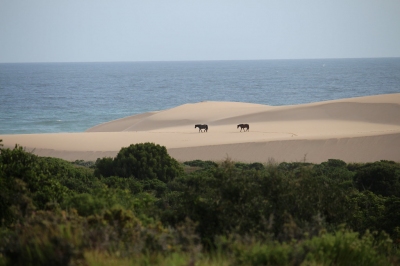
[172, 30]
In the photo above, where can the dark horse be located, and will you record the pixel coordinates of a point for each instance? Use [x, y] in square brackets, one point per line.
[246, 127]
[201, 127]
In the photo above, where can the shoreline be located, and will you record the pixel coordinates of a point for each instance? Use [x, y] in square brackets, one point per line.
[362, 129]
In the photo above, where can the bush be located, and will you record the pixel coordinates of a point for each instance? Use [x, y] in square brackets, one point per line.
[76, 178]
[120, 230]
[342, 247]
[336, 163]
[382, 178]
[202, 164]
[141, 161]
[26, 183]
[347, 248]
[268, 214]
[264, 254]
[368, 212]
[135, 186]
[86, 204]
[104, 167]
[44, 238]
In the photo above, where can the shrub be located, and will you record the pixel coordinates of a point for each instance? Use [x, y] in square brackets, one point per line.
[88, 164]
[346, 248]
[263, 254]
[390, 220]
[382, 178]
[120, 230]
[142, 161]
[79, 179]
[202, 164]
[104, 167]
[368, 213]
[86, 204]
[342, 247]
[44, 238]
[135, 186]
[336, 163]
[24, 179]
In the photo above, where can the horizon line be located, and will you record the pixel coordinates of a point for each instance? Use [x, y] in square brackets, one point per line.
[205, 60]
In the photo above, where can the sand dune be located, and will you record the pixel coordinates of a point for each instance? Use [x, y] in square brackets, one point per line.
[360, 129]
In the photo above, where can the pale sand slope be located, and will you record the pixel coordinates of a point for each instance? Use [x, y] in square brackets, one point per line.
[361, 129]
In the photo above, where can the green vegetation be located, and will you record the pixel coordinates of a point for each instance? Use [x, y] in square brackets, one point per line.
[144, 208]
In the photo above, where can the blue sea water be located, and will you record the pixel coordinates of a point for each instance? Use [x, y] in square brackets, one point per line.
[72, 97]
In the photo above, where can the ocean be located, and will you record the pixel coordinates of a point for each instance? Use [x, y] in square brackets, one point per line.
[72, 97]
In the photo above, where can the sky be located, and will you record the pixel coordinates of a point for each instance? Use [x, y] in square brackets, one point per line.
[186, 30]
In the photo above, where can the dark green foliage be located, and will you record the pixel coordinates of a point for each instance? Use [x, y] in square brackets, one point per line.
[25, 184]
[78, 179]
[202, 164]
[104, 167]
[135, 186]
[382, 178]
[292, 166]
[368, 211]
[86, 204]
[155, 185]
[29, 182]
[119, 230]
[336, 163]
[89, 164]
[231, 199]
[141, 161]
[15, 199]
[255, 166]
[17, 163]
[336, 170]
[390, 219]
[99, 200]
[141, 202]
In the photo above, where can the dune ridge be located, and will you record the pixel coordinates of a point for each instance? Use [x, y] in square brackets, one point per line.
[362, 129]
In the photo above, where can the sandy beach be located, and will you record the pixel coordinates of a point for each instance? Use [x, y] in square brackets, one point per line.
[363, 129]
